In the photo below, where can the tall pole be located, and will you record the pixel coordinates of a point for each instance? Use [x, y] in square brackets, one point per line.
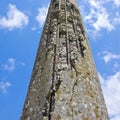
[64, 83]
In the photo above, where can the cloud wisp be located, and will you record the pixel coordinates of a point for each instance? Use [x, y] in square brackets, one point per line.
[4, 86]
[108, 56]
[111, 90]
[11, 64]
[15, 19]
[99, 16]
[117, 2]
[42, 13]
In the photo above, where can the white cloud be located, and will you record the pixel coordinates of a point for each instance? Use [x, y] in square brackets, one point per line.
[11, 64]
[116, 65]
[116, 117]
[108, 56]
[4, 86]
[33, 28]
[101, 15]
[42, 13]
[117, 2]
[111, 90]
[15, 19]
[98, 16]
[103, 22]
[116, 20]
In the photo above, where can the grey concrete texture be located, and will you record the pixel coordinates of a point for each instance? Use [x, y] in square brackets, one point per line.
[64, 83]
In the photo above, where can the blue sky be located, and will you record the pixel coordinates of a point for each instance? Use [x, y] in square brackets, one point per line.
[21, 25]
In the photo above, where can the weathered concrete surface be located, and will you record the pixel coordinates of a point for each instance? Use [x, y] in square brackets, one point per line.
[64, 83]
